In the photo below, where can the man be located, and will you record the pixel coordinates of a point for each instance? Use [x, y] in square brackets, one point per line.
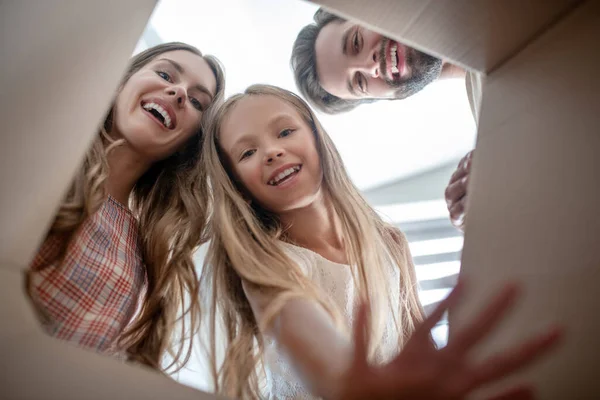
[339, 65]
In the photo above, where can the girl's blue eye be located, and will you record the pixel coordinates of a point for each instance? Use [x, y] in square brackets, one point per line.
[286, 132]
[164, 75]
[247, 154]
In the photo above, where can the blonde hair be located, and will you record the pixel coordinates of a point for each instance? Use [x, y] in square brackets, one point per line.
[245, 248]
[169, 201]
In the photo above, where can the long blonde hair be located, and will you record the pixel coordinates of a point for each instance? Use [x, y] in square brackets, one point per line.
[245, 248]
[169, 201]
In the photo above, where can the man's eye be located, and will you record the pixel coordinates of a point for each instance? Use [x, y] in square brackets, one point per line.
[360, 81]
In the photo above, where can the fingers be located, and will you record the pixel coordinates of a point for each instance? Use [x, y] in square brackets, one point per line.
[517, 393]
[460, 173]
[458, 213]
[361, 338]
[429, 323]
[512, 360]
[463, 168]
[456, 190]
[485, 321]
[467, 161]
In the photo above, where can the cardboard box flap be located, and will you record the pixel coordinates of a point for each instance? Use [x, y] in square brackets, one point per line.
[533, 214]
[478, 35]
[61, 63]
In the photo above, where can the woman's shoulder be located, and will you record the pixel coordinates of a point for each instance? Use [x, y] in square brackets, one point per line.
[111, 228]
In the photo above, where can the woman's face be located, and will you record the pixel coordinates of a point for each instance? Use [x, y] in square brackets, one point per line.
[272, 152]
[160, 107]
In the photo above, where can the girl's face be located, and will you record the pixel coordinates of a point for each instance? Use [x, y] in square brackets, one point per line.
[272, 153]
[159, 108]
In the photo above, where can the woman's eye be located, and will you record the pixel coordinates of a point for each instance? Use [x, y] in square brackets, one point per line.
[286, 132]
[197, 105]
[355, 42]
[247, 154]
[164, 75]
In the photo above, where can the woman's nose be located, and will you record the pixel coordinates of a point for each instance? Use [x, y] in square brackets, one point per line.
[178, 94]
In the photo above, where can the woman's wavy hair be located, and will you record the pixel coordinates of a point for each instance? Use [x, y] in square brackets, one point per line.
[246, 252]
[169, 201]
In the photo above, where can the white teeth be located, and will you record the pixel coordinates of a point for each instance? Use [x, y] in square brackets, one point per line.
[393, 58]
[283, 175]
[165, 115]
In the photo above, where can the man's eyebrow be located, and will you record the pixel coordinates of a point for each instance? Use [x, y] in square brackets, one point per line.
[351, 88]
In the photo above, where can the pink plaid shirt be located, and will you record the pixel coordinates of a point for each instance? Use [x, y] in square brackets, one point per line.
[90, 296]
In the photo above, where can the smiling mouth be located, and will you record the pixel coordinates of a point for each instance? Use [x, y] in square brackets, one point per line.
[284, 176]
[159, 114]
[394, 61]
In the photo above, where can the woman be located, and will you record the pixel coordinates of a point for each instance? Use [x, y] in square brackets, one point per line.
[112, 272]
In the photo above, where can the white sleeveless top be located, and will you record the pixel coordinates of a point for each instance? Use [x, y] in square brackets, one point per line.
[334, 279]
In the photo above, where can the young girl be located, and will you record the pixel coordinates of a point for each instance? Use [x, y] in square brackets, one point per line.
[294, 248]
[117, 261]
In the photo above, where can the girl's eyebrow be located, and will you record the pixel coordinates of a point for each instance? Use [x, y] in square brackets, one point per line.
[248, 137]
[278, 118]
[245, 138]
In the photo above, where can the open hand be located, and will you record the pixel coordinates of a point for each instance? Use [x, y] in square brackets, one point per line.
[421, 371]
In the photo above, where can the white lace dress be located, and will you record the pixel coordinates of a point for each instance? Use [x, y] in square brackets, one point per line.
[335, 279]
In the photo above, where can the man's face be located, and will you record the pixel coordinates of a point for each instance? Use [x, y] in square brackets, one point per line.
[354, 62]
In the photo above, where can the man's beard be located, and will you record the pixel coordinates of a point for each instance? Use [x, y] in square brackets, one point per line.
[424, 69]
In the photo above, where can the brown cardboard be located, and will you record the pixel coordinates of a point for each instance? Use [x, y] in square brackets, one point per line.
[36, 366]
[533, 213]
[61, 63]
[475, 34]
[534, 193]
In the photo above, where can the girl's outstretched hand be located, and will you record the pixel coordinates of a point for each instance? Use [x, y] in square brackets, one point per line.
[421, 371]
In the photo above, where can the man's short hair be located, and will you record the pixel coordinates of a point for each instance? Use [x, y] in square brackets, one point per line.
[304, 65]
